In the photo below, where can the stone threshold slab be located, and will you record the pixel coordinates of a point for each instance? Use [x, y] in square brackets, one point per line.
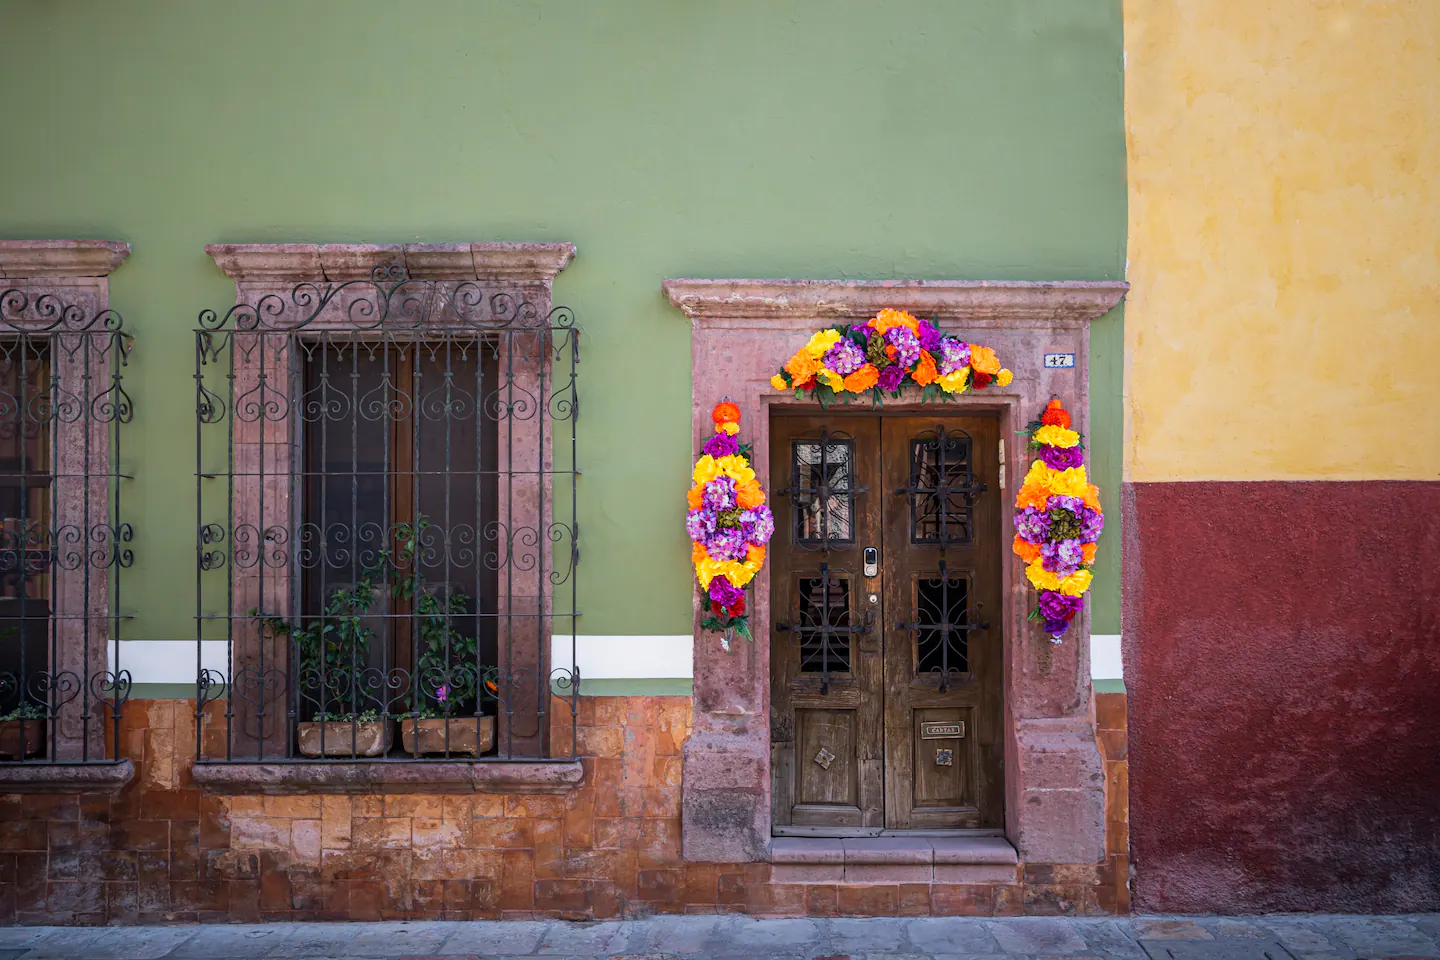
[96, 777]
[345, 777]
[894, 859]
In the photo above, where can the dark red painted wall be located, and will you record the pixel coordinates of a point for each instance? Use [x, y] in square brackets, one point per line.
[1282, 658]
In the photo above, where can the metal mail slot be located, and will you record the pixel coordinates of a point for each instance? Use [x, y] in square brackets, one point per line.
[933, 730]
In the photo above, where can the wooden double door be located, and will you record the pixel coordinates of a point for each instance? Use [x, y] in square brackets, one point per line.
[886, 672]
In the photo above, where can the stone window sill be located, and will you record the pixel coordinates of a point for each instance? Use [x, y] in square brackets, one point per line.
[538, 776]
[65, 777]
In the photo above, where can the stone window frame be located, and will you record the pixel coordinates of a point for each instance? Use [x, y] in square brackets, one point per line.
[522, 272]
[73, 276]
[741, 331]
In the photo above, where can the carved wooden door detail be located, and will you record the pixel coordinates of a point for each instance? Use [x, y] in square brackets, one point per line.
[885, 586]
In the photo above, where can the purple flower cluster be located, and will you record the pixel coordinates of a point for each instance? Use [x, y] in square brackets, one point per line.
[906, 344]
[845, 357]
[720, 494]
[954, 354]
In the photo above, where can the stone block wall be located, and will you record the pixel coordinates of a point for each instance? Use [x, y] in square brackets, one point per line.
[162, 850]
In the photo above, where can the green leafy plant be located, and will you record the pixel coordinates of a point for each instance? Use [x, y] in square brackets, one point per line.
[445, 654]
[26, 711]
[332, 646]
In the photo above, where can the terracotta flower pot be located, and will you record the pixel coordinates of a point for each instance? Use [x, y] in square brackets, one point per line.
[469, 736]
[363, 738]
[22, 738]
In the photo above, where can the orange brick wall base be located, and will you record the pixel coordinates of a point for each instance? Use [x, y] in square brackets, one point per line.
[164, 851]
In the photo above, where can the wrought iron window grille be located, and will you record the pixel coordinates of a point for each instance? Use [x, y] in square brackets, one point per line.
[941, 494]
[63, 542]
[386, 523]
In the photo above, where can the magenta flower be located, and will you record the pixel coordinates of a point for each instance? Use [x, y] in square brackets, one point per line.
[722, 445]
[442, 693]
[1061, 458]
[891, 377]
[723, 592]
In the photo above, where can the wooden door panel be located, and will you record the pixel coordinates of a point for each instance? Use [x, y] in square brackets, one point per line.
[942, 620]
[825, 679]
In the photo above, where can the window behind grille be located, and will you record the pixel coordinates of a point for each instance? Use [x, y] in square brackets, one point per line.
[400, 489]
[26, 411]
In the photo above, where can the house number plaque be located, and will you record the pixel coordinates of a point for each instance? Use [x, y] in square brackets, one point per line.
[935, 730]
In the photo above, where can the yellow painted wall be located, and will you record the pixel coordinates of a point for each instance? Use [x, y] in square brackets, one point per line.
[1284, 169]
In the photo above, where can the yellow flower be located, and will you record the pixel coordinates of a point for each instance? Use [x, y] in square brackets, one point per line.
[706, 469]
[831, 379]
[821, 343]
[1056, 436]
[1004, 377]
[730, 427]
[778, 382]
[1076, 584]
[732, 466]
[1038, 475]
[1069, 483]
[1042, 579]
[955, 382]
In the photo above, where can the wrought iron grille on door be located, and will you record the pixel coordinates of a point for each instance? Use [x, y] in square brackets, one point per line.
[63, 544]
[386, 523]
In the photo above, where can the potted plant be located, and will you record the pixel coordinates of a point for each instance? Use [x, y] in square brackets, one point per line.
[444, 700]
[329, 650]
[22, 732]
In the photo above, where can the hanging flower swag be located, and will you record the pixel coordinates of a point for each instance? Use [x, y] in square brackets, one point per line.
[728, 524]
[1057, 521]
[882, 355]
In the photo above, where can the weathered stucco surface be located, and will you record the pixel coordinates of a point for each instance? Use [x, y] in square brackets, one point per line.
[1284, 239]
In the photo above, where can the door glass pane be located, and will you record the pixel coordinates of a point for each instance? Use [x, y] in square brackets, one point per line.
[824, 603]
[940, 475]
[941, 642]
[823, 488]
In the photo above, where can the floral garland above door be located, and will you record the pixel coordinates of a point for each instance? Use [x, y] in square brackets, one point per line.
[883, 355]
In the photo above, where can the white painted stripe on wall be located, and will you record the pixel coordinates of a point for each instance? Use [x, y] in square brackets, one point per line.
[669, 657]
[1105, 661]
[167, 661]
[653, 657]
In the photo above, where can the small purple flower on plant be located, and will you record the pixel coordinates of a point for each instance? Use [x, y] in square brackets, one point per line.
[442, 693]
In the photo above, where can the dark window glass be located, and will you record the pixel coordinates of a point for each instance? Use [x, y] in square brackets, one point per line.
[823, 487]
[940, 505]
[824, 603]
[941, 603]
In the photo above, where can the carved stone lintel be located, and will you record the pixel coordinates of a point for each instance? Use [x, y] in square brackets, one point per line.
[34, 259]
[511, 263]
[1058, 301]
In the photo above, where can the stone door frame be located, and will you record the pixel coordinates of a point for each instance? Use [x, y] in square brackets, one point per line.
[741, 331]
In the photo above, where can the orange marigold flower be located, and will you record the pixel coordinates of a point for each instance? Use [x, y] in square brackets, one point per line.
[1033, 495]
[888, 318]
[925, 372]
[725, 412]
[1055, 415]
[1092, 497]
[749, 495]
[1087, 552]
[695, 497]
[1025, 550]
[862, 379]
[890, 350]
[754, 554]
[698, 555]
[802, 368]
[984, 359]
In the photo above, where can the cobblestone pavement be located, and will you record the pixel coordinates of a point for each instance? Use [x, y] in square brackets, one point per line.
[719, 937]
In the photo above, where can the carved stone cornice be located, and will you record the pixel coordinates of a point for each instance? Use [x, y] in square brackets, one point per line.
[511, 263]
[1060, 301]
[37, 259]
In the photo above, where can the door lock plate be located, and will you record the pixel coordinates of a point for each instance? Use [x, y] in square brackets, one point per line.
[871, 560]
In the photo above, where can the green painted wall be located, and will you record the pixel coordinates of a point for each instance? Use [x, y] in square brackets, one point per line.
[804, 138]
